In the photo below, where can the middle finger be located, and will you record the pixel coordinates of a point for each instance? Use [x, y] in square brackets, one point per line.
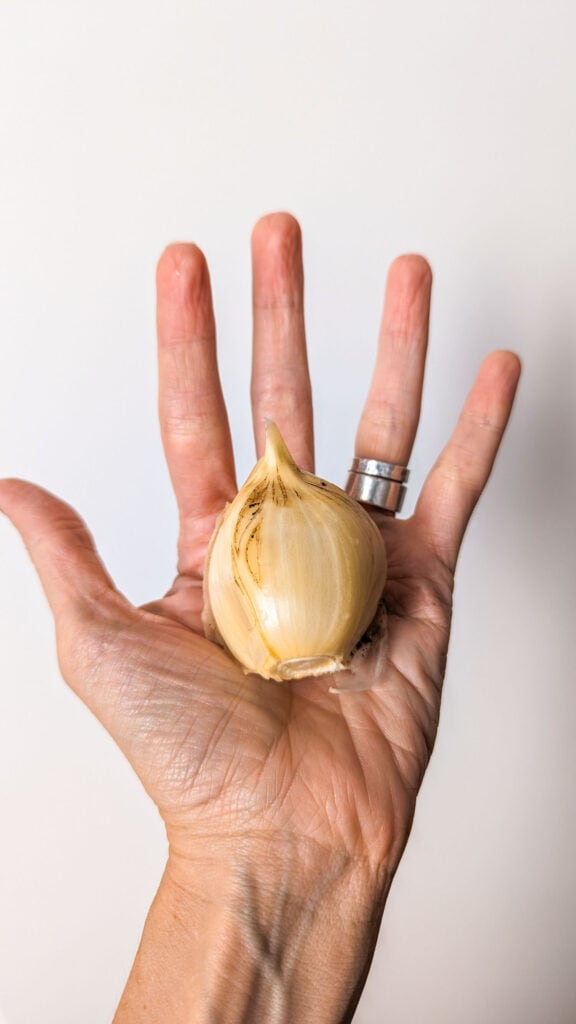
[281, 388]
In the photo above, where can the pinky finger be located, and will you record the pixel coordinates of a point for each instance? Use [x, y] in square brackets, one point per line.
[458, 478]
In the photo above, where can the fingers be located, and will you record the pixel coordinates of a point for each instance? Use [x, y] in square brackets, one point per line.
[390, 417]
[460, 474]
[281, 388]
[74, 579]
[193, 419]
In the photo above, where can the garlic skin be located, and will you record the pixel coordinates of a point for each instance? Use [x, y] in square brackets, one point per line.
[294, 571]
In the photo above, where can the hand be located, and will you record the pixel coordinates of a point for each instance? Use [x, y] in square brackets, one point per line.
[276, 798]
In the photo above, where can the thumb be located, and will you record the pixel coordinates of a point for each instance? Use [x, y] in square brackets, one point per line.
[61, 548]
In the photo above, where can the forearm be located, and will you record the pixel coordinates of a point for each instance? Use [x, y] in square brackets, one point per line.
[250, 940]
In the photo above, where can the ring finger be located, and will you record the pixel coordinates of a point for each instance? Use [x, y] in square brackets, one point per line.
[390, 416]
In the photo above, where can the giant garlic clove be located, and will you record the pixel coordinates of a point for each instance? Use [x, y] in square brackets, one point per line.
[294, 572]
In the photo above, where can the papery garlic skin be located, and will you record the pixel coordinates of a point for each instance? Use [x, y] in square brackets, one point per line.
[294, 572]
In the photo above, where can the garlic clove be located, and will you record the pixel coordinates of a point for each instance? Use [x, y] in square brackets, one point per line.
[294, 573]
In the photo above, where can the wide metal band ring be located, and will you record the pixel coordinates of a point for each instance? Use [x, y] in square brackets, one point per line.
[387, 470]
[379, 484]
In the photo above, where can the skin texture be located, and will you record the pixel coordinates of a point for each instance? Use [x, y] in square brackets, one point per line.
[286, 807]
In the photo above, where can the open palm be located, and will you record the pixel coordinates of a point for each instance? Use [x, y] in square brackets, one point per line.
[224, 754]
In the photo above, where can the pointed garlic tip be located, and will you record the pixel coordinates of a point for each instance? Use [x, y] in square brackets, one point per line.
[294, 572]
[276, 452]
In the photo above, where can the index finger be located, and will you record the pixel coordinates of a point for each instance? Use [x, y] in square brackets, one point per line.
[193, 418]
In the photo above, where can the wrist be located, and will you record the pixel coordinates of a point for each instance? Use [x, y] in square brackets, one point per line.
[259, 931]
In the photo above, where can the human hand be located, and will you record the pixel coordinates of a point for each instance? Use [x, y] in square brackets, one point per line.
[286, 807]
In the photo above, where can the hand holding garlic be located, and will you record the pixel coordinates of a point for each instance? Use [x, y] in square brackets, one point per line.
[286, 807]
[294, 572]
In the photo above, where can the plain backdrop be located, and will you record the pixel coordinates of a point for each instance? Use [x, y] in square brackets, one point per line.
[443, 127]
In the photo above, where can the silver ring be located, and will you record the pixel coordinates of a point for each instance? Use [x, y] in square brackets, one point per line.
[380, 484]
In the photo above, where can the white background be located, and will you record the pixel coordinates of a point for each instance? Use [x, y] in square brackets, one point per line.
[444, 127]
